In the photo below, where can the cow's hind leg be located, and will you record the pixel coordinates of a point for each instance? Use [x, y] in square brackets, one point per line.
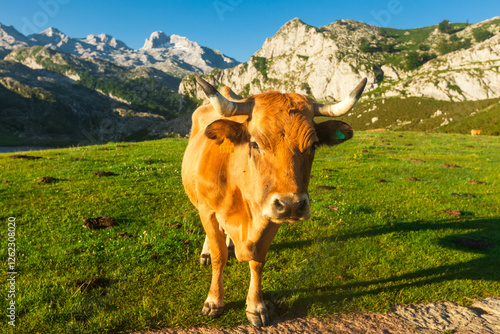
[205, 252]
[214, 304]
[256, 309]
[230, 246]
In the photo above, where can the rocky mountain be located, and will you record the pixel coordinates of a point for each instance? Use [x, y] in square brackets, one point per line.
[58, 89]
[11, 39]
[175, 55]
[449, 61]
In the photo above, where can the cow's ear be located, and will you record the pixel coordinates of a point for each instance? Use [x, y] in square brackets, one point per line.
[333, 132]
[219, 130]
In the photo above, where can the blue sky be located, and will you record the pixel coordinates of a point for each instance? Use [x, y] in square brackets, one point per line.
[236, 27]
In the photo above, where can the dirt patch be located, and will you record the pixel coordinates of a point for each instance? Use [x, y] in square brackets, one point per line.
[99, 223]
[416, 160]
[381, 181]
[412, 178]
[450, 166]
[331, 207]
[120, 235]
[326, 188]
[476, 182]
[174, 225]
[453, 213]
[47, 179]
[91, 283]
[25, 157]
[463, 195]
[483, 317]
[101, 174]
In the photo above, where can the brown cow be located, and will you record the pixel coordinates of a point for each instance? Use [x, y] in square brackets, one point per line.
[246, 169]
[475, 132]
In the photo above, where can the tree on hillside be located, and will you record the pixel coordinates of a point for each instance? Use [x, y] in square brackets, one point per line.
[445, 27]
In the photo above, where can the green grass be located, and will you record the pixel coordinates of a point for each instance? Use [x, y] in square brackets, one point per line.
[386, 243]
[419, 114]
[485, 119]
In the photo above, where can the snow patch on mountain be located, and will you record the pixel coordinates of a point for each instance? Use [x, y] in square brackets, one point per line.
[175, 55]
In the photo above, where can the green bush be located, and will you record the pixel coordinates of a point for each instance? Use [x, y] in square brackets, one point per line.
[481, 34]
[260, 64]
[415, 59]
[454, 44]
[424, 47]
[445, 27]
[387, 47]
[365, 46]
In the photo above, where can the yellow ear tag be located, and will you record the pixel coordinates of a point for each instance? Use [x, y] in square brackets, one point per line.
[227, 146]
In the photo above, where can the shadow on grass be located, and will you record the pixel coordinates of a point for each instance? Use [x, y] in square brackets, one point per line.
[484, 240]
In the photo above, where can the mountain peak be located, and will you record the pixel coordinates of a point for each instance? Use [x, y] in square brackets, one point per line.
[10, 35]
[105, 39]
[157, 40]
[51, 32]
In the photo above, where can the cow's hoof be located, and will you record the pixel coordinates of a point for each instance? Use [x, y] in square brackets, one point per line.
[211, 310]
[205, 260]
[259, 318]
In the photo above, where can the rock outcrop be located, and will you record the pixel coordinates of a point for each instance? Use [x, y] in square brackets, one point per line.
[326, 62]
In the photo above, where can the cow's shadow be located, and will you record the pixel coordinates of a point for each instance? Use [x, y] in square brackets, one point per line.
[485, 240]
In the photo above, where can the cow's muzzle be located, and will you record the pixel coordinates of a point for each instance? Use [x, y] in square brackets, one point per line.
[287, 207]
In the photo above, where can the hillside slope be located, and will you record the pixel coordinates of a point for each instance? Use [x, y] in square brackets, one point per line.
[47, 97]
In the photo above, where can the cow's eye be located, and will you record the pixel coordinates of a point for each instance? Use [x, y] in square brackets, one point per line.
[314, 147]
[254, 145]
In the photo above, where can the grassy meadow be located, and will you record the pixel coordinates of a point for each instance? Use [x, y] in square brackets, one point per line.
[376, 240]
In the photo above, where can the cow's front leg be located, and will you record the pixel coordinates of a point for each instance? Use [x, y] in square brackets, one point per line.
[256, 309]
[214, 304]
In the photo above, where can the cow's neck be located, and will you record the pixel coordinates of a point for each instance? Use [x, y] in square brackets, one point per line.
[242, 219]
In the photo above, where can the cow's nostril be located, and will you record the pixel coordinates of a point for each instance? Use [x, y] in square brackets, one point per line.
[279, 205]
[302, 207]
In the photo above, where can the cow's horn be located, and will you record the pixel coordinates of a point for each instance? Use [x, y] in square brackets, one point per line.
[341, 108]
[222, 105]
